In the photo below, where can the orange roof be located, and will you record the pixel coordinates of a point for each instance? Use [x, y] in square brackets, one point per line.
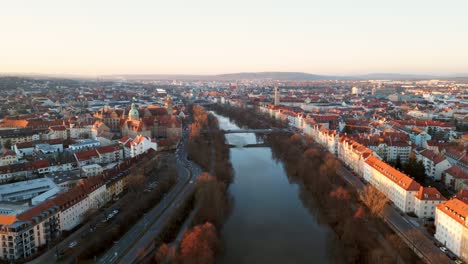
[7, 219]
[139, 139]
[456, 209]
[429, 193]
[401, 179]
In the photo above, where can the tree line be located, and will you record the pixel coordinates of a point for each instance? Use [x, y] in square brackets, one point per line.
[207, 147]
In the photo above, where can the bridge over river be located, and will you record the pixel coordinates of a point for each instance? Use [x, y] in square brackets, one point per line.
[256, 131]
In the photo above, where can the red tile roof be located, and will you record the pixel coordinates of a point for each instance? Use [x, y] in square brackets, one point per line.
[456, 209]
[401, 179]
[429, 193]
[107, 149]
[86, 155]
[457, 172]
[431, 155]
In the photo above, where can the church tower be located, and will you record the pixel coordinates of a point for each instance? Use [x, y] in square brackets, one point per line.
[133, 114]
[168, 105]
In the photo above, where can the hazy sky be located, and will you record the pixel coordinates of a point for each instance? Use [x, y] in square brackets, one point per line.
[219, 36]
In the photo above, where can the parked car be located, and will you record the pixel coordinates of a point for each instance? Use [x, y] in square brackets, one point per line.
[72, 244]
[444, 249]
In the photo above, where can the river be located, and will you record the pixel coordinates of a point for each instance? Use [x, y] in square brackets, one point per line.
[268, 222]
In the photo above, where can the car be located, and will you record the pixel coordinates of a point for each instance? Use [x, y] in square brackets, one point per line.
[104, 220]
[116, 211]
[72, 244]
[443, 249]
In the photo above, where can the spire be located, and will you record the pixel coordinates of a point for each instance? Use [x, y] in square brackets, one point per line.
[277, 96]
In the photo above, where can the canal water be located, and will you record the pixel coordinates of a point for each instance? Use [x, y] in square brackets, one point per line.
[268, 222]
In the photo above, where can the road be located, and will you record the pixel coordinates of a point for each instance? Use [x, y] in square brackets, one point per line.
[143, 233]
[398, 222]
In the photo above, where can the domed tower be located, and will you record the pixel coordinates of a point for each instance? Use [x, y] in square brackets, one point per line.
[133, 113]
[168, 105]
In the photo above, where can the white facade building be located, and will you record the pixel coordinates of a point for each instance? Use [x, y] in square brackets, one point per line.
[451, 226]
[398, 187]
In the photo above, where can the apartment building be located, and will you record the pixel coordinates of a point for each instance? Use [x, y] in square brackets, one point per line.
[398, 187]
[451, 226]
[426, 201]
[434, 164]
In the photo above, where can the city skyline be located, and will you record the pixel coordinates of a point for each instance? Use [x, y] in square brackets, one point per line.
[208, 37]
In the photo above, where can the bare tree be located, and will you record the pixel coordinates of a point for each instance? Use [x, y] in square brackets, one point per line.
[373, 199]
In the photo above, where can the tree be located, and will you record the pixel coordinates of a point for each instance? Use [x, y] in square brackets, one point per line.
[88, 214]
[199, 245]
[7, 144]
[430, 131]
[165, 254]
[340, 193]
[373, 199]
[136, 182]
[415, 169]
[210, 200]
[398, 164]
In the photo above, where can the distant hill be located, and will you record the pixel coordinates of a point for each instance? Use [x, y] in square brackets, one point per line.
[400, 76]
[226, 77]
[275, 76]
[281, 76]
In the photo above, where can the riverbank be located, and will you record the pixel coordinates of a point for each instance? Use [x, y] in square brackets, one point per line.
[206, 147]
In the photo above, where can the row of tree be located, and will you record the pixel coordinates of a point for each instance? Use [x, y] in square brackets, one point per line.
[244, 119]
[207, 147]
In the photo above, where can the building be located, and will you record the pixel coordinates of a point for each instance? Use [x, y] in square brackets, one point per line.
[139, 145]
[8, 157]
[455, 178]
[57, 132]
[109, 154]
[20, 135]
[426, 201]
[87, 157]
[84, 144]
[434, 164]
[91, 170]
[398, 187]
[356, 90]
[451, 226]
[25, 190]
[111, 118]
[388, 146]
